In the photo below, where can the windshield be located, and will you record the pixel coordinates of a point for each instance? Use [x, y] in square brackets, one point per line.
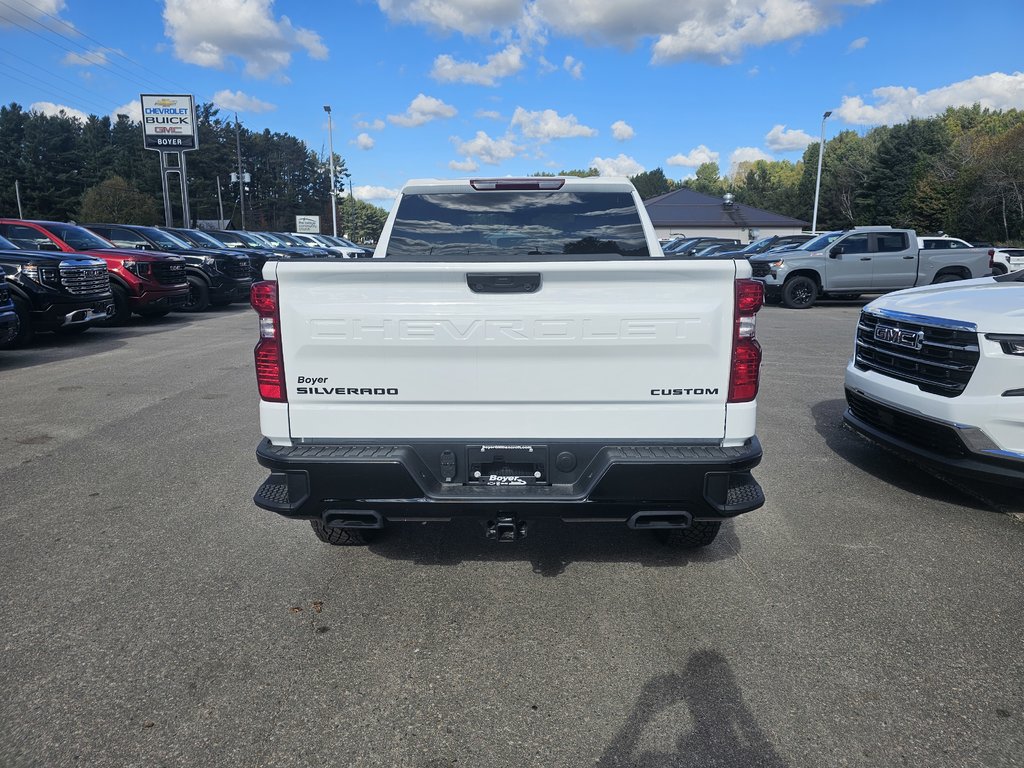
[199, 237]
[163, 239]
[759, 245]
[78, 238]
[249, 239]
[287, 239]
[818, 243]
[229, 239]
[269, 239]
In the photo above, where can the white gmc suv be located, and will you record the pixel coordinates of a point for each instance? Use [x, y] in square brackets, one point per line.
[938, 375]
[515, 349]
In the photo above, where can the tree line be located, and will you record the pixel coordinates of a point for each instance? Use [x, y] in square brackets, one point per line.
[97, 169]
[961, 173]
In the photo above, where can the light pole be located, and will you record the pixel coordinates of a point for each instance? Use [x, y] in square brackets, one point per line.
[817, 184]
[241, 184]
[334, 200]
[348, 206]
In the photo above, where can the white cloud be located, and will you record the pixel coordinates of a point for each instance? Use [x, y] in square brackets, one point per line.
[422, 110]
[545, 66]
[364, 141]
[897, 104]
[747, 154]
[466, 166]
[50, 109]
[17, 12]
[488, 114]
[754, 71]
[236, 101]
[778, 139]
[573, 67]
[622, 131]
[548, 124]
[369, 192]
[133, 109]
[485, 149]
[374, 125]
[708, 30]
[502, 64]
[857, 44]
[623, 165]
[207, 32]
[471, 17]
[697, 156]
[94, 58]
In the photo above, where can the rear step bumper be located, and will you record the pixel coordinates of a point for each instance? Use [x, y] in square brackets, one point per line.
[644, 485]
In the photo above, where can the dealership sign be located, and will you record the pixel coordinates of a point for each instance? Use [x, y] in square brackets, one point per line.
[169, 122]
[307, 224]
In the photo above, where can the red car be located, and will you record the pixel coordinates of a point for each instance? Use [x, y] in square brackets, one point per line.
[146, 283]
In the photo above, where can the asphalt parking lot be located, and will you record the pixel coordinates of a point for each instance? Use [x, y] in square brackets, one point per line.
[868, 615]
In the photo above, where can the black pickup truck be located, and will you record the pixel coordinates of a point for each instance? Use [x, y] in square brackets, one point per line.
[215, 277]
[61, 292]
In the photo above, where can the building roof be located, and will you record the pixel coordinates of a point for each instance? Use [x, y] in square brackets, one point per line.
[686, 208]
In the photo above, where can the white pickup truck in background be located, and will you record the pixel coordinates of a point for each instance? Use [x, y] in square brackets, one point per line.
[862, 260]
[938, 376]
[516, 349]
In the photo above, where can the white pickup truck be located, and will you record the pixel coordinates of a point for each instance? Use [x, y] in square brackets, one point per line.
[862, 260]
[938, 376]
[515, 349]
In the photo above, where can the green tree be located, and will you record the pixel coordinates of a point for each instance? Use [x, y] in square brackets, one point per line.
[652, 183]
[115, 201]
[707, 180]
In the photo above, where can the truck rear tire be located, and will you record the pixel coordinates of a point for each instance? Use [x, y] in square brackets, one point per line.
[699, 534]
[799, 292]
[340, 537]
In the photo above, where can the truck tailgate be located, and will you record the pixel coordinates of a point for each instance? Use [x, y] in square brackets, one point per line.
[599, 349]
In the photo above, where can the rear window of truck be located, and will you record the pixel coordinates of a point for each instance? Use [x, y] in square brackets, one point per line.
[511, 225]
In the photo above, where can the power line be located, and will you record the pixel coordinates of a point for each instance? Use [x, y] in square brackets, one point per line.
[77, 94]
[36, 85]
[103, 65]
[102, 45]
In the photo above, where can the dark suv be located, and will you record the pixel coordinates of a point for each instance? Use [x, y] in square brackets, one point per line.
[215, 277]
[147, 284]
[51, 292]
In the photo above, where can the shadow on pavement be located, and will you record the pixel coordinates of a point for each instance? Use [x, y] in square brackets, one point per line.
[551, 546]
[881, 463]
[717, 729]
[49, 347]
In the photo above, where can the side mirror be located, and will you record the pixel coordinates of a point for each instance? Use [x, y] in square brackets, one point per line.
[836, 252]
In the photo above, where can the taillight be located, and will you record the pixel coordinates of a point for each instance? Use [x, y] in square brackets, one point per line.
[269, 356]
[746, 352]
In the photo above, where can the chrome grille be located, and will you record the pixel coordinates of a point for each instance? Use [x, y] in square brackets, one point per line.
[85, 280]
[942, 364]
[760, 268]
[169, 272]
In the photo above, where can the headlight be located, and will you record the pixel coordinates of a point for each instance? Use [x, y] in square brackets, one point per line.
[778, 263]
[1012, 344]
[209, 261]
[141, 269]
[42, 275]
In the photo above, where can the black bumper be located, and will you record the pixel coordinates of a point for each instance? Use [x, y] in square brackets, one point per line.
[934, 445]
[62, 312]
[230, 289]
[598, 483]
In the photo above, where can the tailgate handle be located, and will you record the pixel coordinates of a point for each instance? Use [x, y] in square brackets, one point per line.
[495, 282]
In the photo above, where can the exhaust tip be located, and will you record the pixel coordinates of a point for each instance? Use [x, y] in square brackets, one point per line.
[352, 518]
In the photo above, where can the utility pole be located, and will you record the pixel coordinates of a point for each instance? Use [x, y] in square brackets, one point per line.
[220, 204]
[334, 197]
[17, 194]
[817, 185]
[241, 181]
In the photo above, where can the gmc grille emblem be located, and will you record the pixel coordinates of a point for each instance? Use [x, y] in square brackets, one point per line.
[899, 336]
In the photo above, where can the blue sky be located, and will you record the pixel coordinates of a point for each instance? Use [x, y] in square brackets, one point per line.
[425, 88]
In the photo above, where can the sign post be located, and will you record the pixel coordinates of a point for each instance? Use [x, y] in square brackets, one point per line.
[169, 127]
